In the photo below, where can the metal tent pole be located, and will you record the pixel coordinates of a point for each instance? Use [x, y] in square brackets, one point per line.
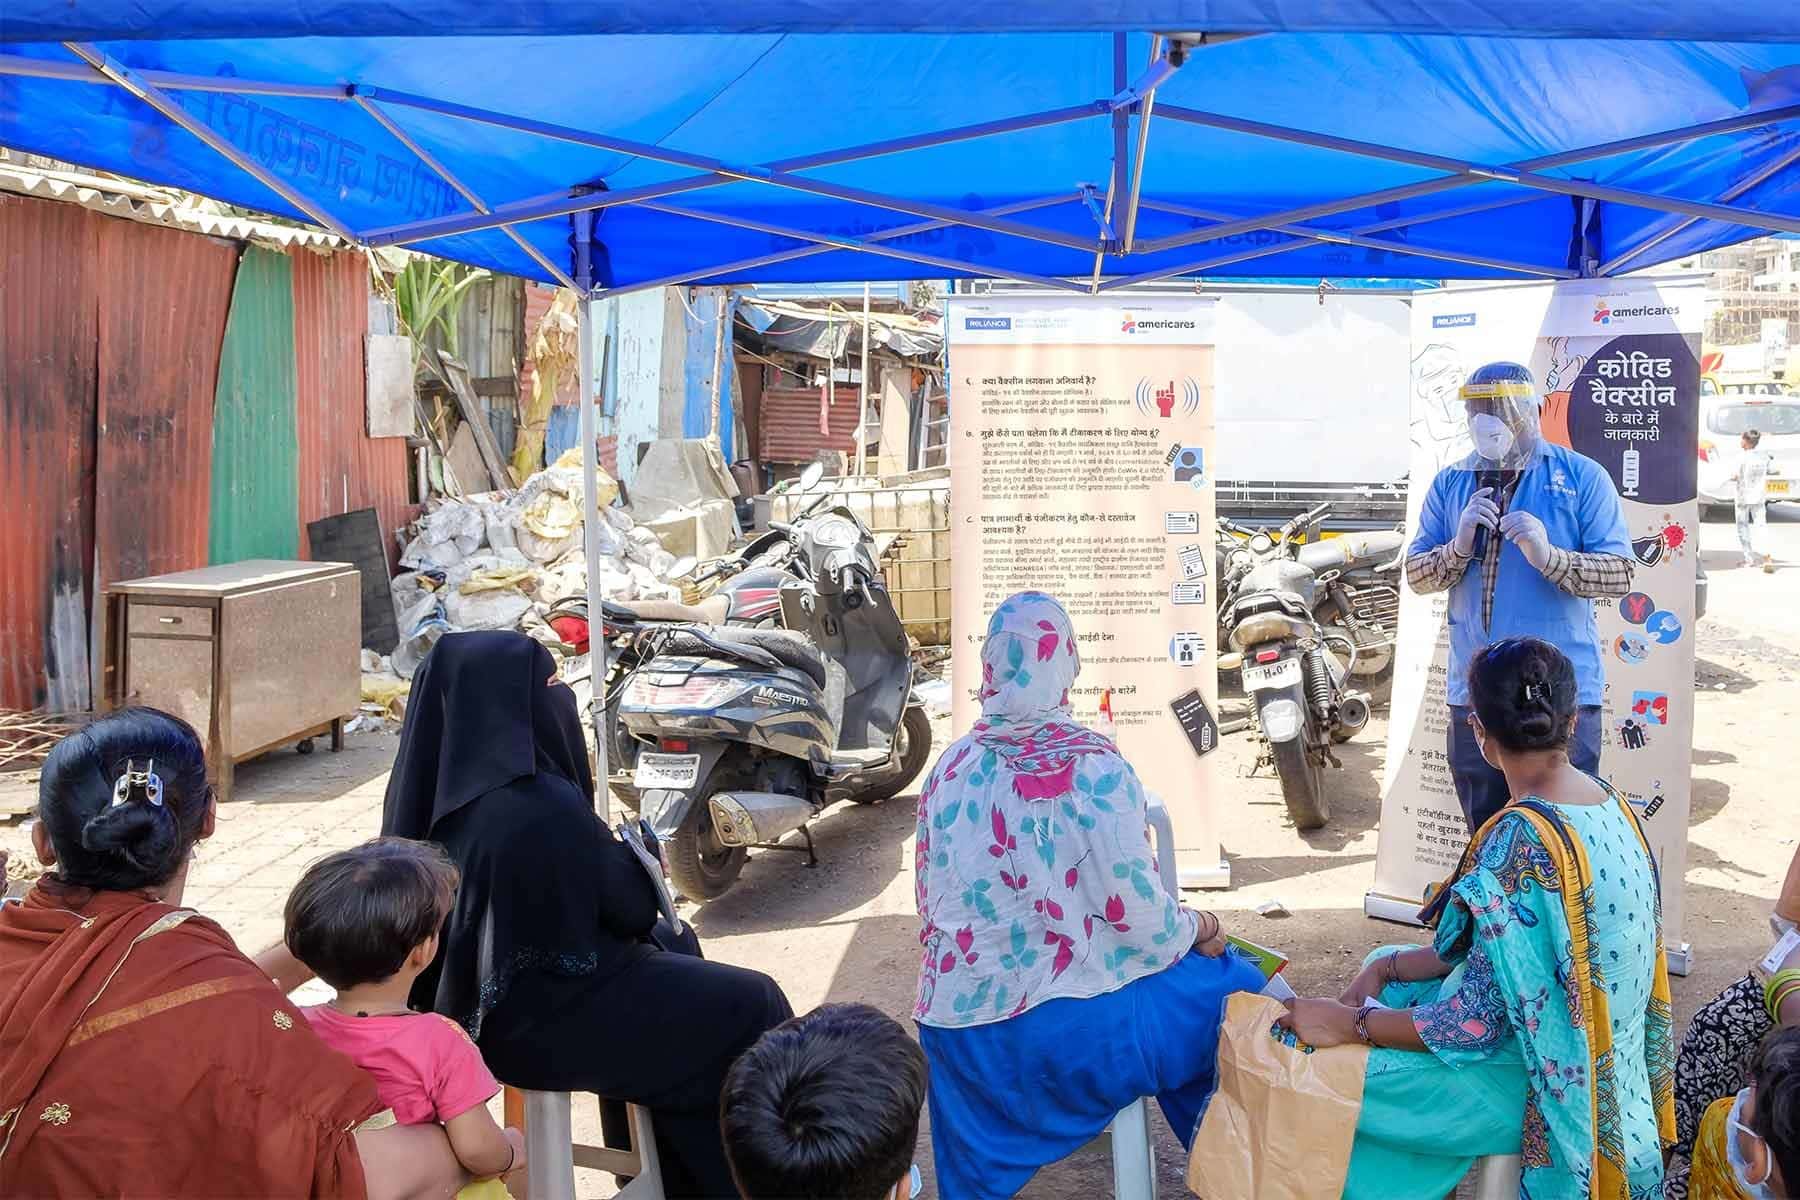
[590, 500]
[862, 395]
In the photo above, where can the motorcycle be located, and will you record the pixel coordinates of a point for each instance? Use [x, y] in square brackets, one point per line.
[1296, 668]
[1359, 583]
[746, 732]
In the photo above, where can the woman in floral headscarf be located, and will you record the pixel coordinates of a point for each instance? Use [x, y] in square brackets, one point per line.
[1059, 980]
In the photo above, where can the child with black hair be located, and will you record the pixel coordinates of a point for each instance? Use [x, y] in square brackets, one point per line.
[826, 1106]
[366, 921]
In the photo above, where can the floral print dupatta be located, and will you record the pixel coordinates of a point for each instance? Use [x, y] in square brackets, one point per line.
[1034, 871]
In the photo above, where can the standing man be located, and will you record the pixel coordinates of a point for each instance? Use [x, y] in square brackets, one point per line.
[1752, 503]
[1524, 536]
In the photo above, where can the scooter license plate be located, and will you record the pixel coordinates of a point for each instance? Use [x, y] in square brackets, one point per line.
[1261, 677]
[680, 771]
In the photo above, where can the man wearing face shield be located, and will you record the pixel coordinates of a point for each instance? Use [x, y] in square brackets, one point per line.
[1524, 535]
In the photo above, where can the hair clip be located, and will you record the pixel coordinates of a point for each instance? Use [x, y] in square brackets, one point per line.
[146, 781]
[1535, 691]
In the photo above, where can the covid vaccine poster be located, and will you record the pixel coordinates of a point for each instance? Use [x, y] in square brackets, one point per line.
[1081, 465]
[1618, 364]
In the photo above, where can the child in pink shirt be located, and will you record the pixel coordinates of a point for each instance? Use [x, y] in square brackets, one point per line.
[366, 921]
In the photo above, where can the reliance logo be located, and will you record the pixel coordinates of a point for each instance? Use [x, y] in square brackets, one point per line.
[987, 322]
[1453, 321]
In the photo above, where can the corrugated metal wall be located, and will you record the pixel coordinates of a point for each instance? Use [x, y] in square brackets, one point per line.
[47, 330]
[255, 455]
[163, 304]
[111, 340]
[341, 468]
[790, 423]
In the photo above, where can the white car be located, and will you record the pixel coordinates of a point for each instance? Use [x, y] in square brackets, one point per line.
[1723, 419]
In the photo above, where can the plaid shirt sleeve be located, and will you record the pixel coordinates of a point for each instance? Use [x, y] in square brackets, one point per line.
[1589, 576]
[1436, 570]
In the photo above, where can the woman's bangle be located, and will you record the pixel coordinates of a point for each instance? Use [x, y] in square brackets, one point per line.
[1393, 968]
[1218, 927]
[1362, 1024]
[512, 1159]
[1776, 988]
[1781, 998]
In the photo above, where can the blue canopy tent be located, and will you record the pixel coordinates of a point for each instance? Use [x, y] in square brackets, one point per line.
[636, 143]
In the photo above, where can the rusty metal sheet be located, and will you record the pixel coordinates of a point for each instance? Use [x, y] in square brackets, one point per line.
[47, 395]
[341, 467]
[790, 423]
[163, 299]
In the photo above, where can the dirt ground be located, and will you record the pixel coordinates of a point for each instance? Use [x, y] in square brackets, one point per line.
[846, 930]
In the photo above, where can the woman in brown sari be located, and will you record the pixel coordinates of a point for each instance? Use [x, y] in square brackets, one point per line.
[139, 1050]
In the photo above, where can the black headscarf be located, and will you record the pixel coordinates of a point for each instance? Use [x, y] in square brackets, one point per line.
[492, 765]
[480, 717]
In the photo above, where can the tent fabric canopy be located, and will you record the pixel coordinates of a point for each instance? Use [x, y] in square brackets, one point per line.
[754, 142]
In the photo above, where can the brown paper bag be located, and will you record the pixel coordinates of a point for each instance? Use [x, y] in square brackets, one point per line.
[1282, 1122]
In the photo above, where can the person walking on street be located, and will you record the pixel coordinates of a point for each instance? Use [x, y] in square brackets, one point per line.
[1524, 536]
[1752, 502]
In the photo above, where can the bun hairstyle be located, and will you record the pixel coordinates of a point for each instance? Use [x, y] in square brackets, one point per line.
[124, 800]
[1525, 693]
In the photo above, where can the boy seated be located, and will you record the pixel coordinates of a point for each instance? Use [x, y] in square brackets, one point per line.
[826, 1107]
[366, 921]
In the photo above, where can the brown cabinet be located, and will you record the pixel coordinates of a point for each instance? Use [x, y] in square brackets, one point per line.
[252, 654]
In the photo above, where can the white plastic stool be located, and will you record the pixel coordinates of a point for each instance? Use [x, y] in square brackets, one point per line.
[551, 1154]
[1497, 1177]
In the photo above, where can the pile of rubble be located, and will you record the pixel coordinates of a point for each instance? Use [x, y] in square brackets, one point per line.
[504, 561]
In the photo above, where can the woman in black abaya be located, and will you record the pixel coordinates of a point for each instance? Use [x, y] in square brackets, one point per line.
[547, 958]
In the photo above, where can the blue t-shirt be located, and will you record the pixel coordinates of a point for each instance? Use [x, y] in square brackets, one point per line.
[1575, 499]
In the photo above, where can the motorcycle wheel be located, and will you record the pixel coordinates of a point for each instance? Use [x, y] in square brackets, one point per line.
[702, 868]
[1302, 781]
[912, 747]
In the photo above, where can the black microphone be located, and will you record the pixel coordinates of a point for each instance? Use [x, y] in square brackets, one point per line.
[1498, 481]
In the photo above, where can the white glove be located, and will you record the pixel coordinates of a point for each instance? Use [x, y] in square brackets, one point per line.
[1529, 535]
[1479, 513]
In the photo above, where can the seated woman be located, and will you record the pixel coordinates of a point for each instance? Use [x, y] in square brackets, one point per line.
[1538, 1020]
[547, 958]
[1057, 984]
[140, 1052]
[1721, 1042]
[1748, 1145]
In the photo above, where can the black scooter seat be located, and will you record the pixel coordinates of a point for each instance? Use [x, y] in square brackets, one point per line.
[784, 647]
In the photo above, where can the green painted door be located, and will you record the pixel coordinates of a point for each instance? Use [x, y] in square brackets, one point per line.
[256, 448]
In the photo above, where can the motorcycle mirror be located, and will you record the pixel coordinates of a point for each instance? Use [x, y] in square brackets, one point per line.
[809, 478]
[684, 566]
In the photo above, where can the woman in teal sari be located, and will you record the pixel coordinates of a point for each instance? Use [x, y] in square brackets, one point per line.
[1537, 1022]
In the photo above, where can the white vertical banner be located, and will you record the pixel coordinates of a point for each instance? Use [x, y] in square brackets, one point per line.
[1081, 465]
[1618, 363]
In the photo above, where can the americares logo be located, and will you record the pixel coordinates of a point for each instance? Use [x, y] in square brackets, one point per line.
[1604, 314]
[1131, 324]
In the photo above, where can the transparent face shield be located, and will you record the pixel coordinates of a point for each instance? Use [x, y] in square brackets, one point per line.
[1503, 424]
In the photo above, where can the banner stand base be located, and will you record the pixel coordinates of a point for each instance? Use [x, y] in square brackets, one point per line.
[1392, 908]
[1212, 879]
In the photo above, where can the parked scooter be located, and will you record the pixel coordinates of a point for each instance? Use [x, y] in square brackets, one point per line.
[747, 733]
[1296, 669]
